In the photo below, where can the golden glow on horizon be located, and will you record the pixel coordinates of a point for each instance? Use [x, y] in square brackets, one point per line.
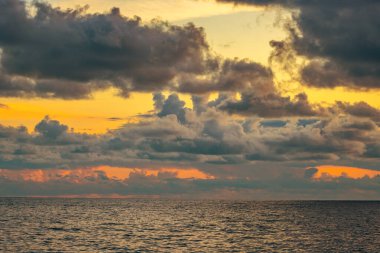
[99, 196]
[330, 171]
[115, 173]
[123, 173]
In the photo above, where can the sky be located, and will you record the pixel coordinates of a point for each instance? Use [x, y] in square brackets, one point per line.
[199, 99]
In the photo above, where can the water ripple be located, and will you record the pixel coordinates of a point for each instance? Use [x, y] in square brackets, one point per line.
[104, 225]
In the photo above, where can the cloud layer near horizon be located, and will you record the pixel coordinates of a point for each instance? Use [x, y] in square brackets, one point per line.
[84, 183]
[204, 133]
[251, 154]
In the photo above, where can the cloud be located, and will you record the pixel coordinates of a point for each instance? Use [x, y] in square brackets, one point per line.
[50, 129]
[360, 109]
[50, 52]
[281, 186]
[203, 135]
[341, 40]
[233, 75]
[270, 105]
[14, 86]
[310, 172]
[255, 156]
[69, 53]
[172, 106]
[259, 95]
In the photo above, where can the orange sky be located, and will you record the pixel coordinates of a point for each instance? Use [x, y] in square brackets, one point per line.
[123, 173]
[330, 171]
[101, 196]
[116, 173]
[324, 172]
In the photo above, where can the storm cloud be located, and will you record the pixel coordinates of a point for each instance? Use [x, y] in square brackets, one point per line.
[340, 38]
[69, 53]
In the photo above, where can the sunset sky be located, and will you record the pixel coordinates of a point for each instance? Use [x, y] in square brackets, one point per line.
[225, 99]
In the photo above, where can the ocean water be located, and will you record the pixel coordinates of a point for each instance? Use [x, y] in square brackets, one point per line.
[120, 225]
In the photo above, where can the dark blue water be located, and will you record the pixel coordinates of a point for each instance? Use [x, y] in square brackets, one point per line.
[109, 225]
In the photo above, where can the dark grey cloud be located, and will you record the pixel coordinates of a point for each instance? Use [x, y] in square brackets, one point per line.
[69, 53]
[259, 95]
[165, 184]
[52, 52]
[15, 86]
[345, 37]
[232, 75]
[24, 86]
[310, 172]
[200, 103]
[115, 119]
[158, 99]
[176, 134]
[13, 132]
[341, 38]
[172, 105]
[50, 129]
[270, 105]
[360, 109]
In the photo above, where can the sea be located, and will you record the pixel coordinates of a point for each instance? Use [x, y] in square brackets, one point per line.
[164, 225]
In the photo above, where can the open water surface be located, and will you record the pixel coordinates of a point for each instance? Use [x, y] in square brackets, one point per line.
[120, 225]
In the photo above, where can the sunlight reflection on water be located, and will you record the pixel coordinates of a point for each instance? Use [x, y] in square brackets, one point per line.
[112, 225]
